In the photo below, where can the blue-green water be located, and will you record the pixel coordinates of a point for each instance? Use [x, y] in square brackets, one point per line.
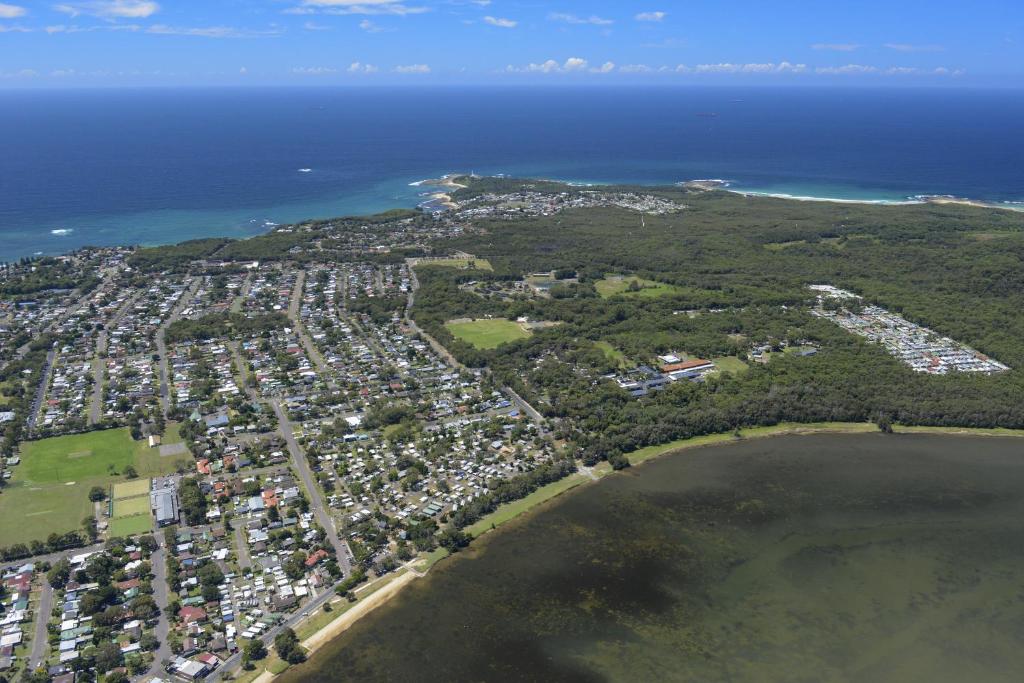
[157, 166]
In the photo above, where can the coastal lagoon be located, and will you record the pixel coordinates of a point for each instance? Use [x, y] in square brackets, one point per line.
[805, 558]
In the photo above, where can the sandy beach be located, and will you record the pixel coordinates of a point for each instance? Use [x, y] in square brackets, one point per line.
[359, 610]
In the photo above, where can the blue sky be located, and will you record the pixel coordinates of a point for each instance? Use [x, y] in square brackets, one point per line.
[75, 43]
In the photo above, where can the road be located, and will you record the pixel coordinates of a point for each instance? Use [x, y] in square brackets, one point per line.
[244, 561]
[158, 560]
[316, 603]
[39, 639]
[37, 402]
[537, 418]
[98, 366]
[243, 294]
[439, 348]
[316, 500]
[312, 351]
[161, 347]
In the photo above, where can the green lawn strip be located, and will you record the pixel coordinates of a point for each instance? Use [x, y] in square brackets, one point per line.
[131, 526]
[639, 456]
[321, 619]
[430, 559]
[488, 333]
[971, 431]
[275, 665]
[649, 452]
[512, 510]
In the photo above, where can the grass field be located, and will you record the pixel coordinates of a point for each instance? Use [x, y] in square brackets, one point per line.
[614, 355]
[464, 263]
[729, 364]
[126, 507]
[615, 285]
[131, 489]
[50, 489]
[488, 334]
[131, 526]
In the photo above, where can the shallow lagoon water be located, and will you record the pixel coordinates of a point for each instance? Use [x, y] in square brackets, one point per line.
[809, 558]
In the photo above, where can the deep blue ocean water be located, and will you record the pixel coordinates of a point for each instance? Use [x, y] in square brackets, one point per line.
[158, 166]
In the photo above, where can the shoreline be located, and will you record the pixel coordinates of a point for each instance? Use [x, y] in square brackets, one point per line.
[533, 503]
[713, 184]
[240, 223]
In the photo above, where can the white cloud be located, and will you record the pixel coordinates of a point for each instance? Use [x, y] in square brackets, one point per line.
[360, 68]
[371, 27]
[14, 29]
[860, 69]
[650, 16]
[243, 71]
[575, 64]
[343, 7]
[413, 69]
[836, 47]
[209, 31]
[312, 26]
[635, 69]
[74, 28]
[111, 9]
[573, 19]
[314, 70]
[571, 65]
[11, 11]
[906, 47]
[753, 68]
[23, 73]
[605, 68]
[500, 22]
[847, 69]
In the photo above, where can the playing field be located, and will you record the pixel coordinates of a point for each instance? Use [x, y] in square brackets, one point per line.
[49, 492]
[130, 526]
[487, 334]
[131, 489]
[620, 284]
[729, 364]
[131, 506]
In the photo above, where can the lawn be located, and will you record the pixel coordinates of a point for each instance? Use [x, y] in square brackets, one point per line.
[127, 507]
[487, 334]
[131, 489]
[614, 355]
[729, 364]
[515, 508]
[464, 263]
[131, 526]
[49, 492]
[615, 285]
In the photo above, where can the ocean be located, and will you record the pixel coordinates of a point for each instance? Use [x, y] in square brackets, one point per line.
[153, 166]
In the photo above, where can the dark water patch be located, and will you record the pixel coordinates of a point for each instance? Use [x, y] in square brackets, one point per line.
[854, 558]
